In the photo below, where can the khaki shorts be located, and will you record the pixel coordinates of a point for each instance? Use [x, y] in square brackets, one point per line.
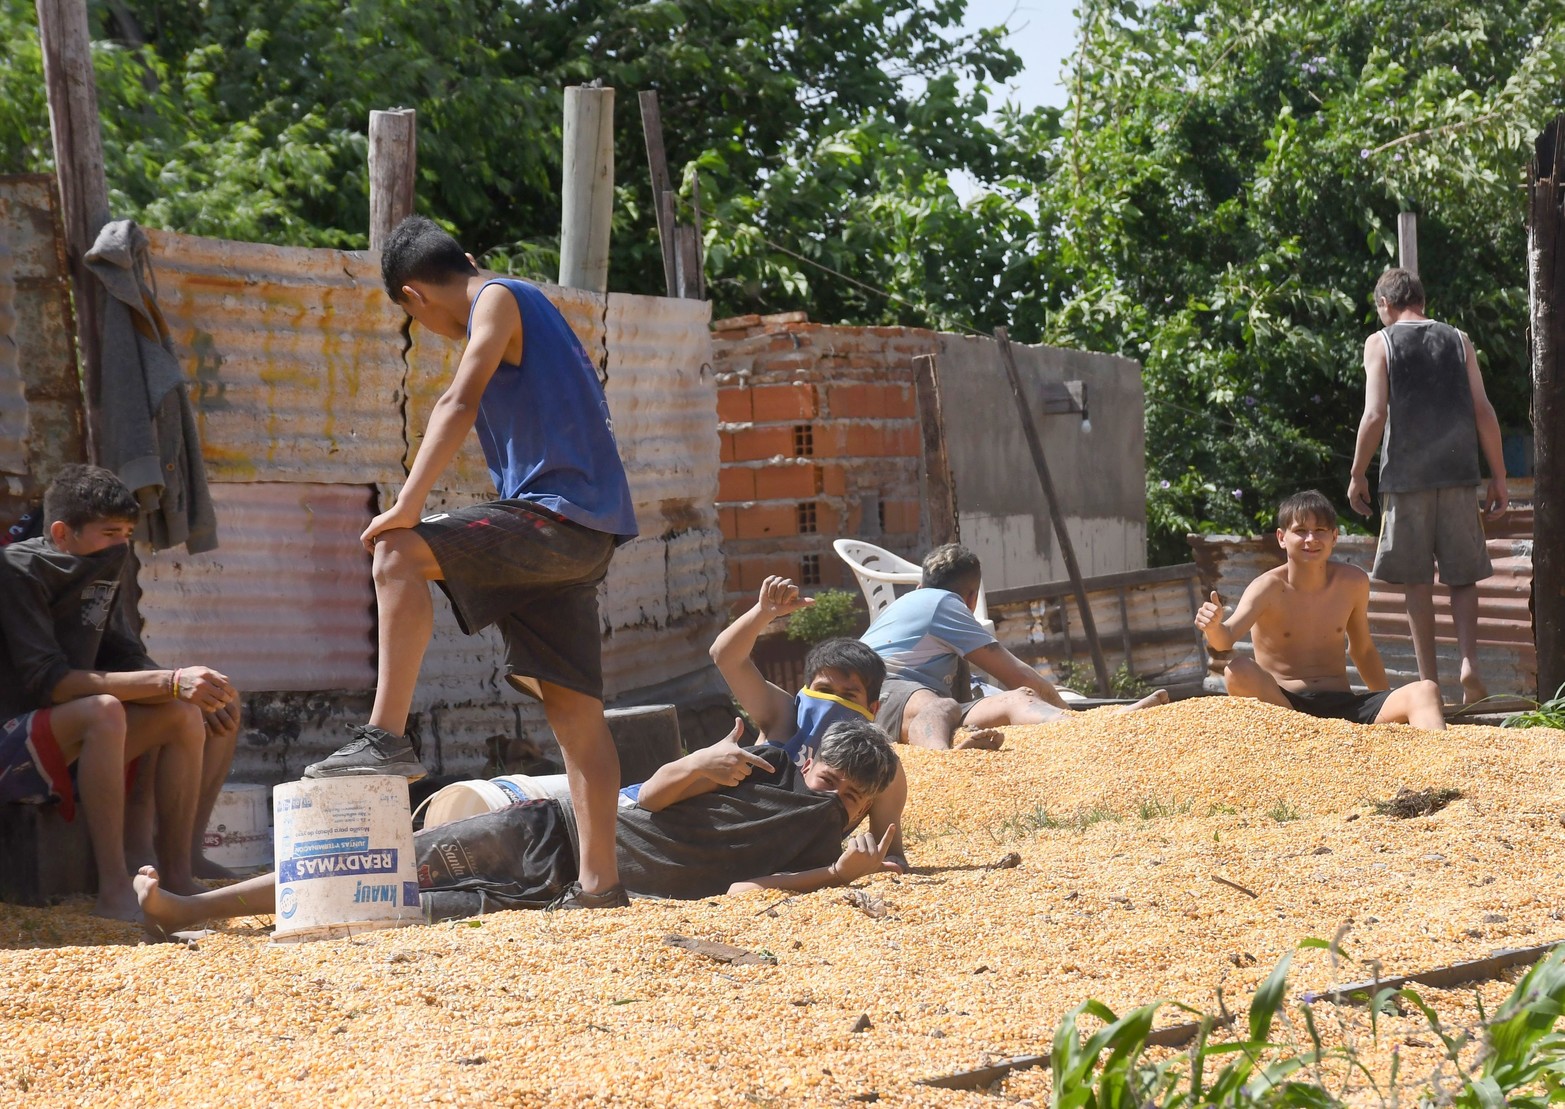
[1427, 526]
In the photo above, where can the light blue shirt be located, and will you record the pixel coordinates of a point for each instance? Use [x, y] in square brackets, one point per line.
[923, 634]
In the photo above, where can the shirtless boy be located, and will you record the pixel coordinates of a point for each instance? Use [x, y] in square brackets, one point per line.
[842, 680]
[1297, 616]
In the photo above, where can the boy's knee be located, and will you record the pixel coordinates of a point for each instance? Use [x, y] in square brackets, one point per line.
[1427, 691]
[399, 556]
[101, 712]
[1243, 675]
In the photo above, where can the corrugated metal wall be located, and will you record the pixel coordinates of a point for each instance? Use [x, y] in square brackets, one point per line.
[40, 404]
[309, 413]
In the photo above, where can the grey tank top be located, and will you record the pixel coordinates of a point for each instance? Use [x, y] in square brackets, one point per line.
[1431, 438]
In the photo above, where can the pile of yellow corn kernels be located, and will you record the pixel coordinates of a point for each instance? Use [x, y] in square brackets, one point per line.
[1172, 853]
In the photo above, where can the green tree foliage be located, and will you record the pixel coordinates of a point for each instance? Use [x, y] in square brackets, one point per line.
[1225, 193]
[247, 119]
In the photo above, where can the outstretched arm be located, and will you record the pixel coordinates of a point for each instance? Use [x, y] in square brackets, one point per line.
[1361, 647]
[861, 856]
[1011, 672]
[495, 319]
[1377, 391]
[725, 763]
[769, 706]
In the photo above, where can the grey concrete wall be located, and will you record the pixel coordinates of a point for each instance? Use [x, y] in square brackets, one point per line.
[1100, 475]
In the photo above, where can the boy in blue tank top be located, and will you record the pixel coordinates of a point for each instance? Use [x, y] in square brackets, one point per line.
[842, 679]
[530, 561]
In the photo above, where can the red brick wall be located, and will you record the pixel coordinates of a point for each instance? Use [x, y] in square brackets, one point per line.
[817, 423]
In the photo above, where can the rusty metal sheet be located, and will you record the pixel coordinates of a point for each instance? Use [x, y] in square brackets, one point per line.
[286, 603]
[40, 403]
[432, 363]
[294, 358]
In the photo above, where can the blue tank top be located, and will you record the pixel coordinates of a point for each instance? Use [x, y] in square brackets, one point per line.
[545, 428]
[814, 713]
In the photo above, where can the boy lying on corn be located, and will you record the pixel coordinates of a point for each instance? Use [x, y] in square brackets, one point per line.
[1298, 616]
[722, 819]
[842, 680]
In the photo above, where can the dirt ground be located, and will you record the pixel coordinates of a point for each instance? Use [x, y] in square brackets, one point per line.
[1082, 860]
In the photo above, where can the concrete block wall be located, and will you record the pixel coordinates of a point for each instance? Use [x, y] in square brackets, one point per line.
[820, 440]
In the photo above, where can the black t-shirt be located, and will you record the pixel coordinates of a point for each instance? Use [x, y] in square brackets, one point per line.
[61, 612]
[767, 824]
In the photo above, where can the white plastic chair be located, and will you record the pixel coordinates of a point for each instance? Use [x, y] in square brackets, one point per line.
[879, 572]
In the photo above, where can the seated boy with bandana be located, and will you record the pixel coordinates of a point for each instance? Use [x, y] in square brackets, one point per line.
[842, 679]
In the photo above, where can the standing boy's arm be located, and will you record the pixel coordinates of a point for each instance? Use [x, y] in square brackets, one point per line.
[1361, 646]
[770, 707]
[496, 319]
[1377, 393]
[1497, 497]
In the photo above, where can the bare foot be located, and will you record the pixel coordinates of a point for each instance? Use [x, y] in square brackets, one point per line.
[1151, 700]
[162, 913]
[980, 739]
[118, 905]
[203, 867]
[1473, 689]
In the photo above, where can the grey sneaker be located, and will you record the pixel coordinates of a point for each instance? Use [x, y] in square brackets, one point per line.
[571, 897]
[372, 750]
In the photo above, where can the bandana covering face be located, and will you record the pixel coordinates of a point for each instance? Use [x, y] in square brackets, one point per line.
[816, 713]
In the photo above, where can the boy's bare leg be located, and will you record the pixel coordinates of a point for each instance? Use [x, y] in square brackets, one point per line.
[178, 732]
[217, 755]
[141, 815]
[1421, 626]
[1464, 614]
[164, 913]
[930, 720]
[1014, 706]
[1417, 703]
[592, 766]
[99, 723]
[1151, 700]
[404, 566]
[1245, 678]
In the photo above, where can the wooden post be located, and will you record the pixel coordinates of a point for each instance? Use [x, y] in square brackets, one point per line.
[1088, 626]
[84, 192]
[1546, 295]
[700, 243]
[393, 170]
[939, 489]
[687, 264]
[657, 167]
[1407, 241]
[587, 188]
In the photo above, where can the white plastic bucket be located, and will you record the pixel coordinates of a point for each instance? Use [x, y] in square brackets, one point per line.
[239, 835]
[345, 863]
[525, 787]
[460, 800]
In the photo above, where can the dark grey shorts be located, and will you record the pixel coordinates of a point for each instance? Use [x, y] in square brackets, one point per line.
[1331, 704]
[533, 574]
[894, 694]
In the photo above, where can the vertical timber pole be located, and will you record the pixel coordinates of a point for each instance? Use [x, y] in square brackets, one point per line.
[84, 191]
[1088, 625]
[1546, 297]
[587, 188]
[393, 170]
[657, 168]
[1407, 241]
[939, 490]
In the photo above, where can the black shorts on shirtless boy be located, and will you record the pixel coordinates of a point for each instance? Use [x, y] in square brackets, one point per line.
[1339, 704]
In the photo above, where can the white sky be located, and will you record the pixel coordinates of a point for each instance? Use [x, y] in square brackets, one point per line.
[1043, 32]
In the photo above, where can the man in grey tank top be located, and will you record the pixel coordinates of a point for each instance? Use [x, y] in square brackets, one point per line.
[1425, 408]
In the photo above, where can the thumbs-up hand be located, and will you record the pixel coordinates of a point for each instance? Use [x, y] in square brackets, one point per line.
[1211, 610]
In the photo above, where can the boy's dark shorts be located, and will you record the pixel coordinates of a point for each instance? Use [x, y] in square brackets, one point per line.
[519, 857]
[533, 574]
[1333, 704]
